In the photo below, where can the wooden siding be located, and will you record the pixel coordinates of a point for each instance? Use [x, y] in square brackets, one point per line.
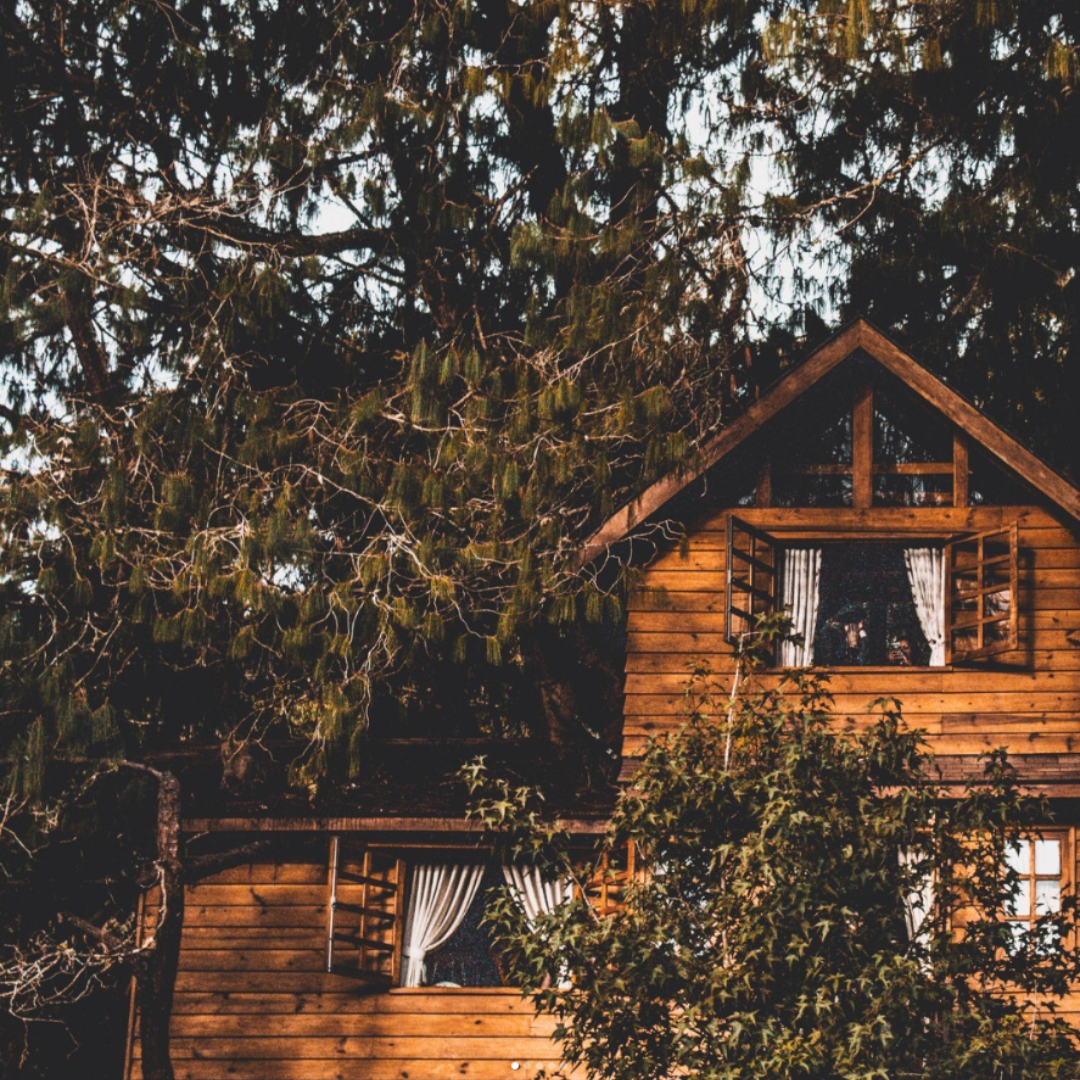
[253, 999]
[1027, 701]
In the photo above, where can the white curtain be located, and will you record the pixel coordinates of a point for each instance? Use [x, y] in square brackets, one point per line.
[918, 901]
[441, 895]
[538, 895]
[801, 590]
[926, 572]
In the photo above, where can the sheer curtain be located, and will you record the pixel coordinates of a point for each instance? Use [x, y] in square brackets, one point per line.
[926, 572]
[919, 899]
[441, 895]
[538, 895]
[800, 592]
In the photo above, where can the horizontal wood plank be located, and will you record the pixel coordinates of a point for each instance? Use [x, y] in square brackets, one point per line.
[339, 1068]
[359, 1003]
[1034, 580]
[909, 684]
[303, 1048]
[258, 895]
[1044, 662]
[253, 937]
[312, 959]
[450, 1025]
[291, 982]
[251, 915]
[962, 701]
[711, 620]
[285, 872]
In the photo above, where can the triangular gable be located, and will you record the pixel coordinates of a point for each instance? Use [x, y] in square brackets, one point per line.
[860, 335]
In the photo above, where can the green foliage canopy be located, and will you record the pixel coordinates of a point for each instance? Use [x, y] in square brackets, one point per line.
[329, 331]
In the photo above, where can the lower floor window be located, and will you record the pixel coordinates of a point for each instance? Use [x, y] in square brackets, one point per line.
[468, 956]
[418, 920]
[1040, 867]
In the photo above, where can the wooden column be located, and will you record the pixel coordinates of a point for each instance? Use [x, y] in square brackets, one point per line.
[764, 483]
[961, 470]
[862, 447]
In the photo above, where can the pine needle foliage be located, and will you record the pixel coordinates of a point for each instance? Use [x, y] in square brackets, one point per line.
[328, 331]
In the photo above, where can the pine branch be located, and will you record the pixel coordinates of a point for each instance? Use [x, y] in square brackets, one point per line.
[97, 933]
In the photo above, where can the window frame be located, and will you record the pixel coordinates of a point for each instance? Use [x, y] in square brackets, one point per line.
[864, 470]
[379, 911]
[605, 890]
[1066, 835]
[1011, 641]
[760, 534]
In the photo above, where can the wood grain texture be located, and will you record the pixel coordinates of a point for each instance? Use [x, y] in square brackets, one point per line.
[1027, 700]
[314, 1047]
[339, 1068]
[254, 1002]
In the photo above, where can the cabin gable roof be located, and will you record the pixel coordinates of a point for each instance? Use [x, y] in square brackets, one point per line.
[860, 336]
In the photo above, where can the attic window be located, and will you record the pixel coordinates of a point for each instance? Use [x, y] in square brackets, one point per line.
[869, 603]
[884, 448]
[912, 453]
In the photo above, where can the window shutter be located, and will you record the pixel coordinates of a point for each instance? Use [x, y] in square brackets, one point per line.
[982, 610]
[606, 888]
[364, 913]
[753, 566]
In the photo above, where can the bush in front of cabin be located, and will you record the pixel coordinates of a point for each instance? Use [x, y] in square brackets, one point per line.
[807, 900]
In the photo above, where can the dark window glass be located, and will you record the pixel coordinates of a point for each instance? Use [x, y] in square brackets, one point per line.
[468, 958]
[795, 489]
[804, 441]
[990, 485]
[830, 444]
[912, 490]
[866, 614]
[906, 432]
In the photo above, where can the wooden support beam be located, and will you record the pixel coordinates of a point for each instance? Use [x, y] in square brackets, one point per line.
[764, 483]
[902, 468]
[862, 447]
[465, 827]
[961, 470]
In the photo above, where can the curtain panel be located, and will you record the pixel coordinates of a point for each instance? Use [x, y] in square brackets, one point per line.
[926, 572]
[441, 895]
[800, 594]
[918, 901]
[537, 895]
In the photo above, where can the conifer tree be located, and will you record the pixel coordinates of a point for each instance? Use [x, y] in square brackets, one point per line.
[330, 331]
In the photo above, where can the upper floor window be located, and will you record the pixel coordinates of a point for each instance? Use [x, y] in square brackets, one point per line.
[874, 602]
[879, 603]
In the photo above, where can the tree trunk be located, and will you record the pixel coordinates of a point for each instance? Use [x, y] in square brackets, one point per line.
[91, 356]
[155, 973]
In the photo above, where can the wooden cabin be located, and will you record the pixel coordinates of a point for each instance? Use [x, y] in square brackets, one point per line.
[924, 554]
